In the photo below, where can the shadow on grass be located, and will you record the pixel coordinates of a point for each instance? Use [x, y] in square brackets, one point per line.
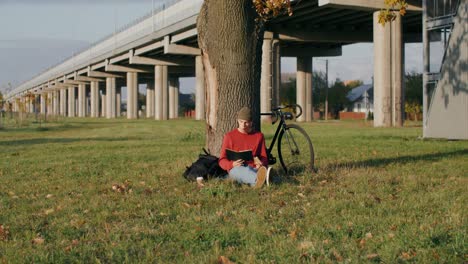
[34, 141]
[395, 160]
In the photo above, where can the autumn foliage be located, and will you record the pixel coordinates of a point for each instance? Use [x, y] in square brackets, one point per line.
[389, 14]
[268, 9]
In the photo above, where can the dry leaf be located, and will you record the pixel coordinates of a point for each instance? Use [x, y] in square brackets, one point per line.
[38, 241]
[362, 243]
[224, 260]
[48, 196]
[372, 256]
[369, 235]
[49, 211]
[4, 232]
[293, 234]
[337, 256]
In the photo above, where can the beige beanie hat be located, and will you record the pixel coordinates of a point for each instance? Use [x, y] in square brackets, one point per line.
[244, 114]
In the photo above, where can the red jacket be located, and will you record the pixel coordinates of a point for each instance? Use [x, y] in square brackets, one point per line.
[238, 141]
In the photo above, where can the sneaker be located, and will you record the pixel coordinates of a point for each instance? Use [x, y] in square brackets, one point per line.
[268, 176]
[261, 177]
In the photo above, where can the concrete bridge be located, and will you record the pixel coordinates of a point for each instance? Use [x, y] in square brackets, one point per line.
[161, 47]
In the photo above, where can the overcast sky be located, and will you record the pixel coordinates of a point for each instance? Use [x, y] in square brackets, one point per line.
[38, 34]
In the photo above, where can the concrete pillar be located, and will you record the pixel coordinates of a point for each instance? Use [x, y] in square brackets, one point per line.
[276, 53]
[50, 100]
[94, 99]
[63, 102]
[199, 89]
[161, 92]
[31, 104]
[304, 87]
[110, 97]
[173, 97]
[132, 95]
[266, 79]
[388, 73]
[150, 99]
[71, 101]
[56, 103]
[81, 100]
[118, 101]
[103, 105]
[43, 104]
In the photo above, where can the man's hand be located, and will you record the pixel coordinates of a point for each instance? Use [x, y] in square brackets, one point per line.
[237, 163]
[258, 162]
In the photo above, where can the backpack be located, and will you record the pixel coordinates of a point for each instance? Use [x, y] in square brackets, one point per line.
[205, 166]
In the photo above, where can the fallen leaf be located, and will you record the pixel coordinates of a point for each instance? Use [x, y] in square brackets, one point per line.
[4, 232]
[49, 211]
[369, 235]
[293, 234]
[372, 256]
[337, 256]
[224, 260]
[48, 196]
[301, 195]
[362, 243]
[391, 235]
[38, 241]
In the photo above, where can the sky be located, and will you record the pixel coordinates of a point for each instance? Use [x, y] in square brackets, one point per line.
[38, 34]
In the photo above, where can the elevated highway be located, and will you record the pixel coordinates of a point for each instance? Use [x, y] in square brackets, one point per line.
[161, 47]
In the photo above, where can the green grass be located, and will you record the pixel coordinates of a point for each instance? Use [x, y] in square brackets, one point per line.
[380, 195]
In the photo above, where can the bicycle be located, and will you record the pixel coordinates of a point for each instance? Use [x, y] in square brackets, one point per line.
[295, 149]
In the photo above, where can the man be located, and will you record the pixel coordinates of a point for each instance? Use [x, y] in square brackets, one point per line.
[252, 172]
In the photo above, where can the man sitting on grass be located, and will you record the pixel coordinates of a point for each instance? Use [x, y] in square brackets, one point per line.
[252, 172]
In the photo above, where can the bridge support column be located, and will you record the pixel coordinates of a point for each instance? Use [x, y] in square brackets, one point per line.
[304, 88]
[31, 104]
[50, 100]
[43, 104]
[110, 97]
[103, 105]
[55, 103]
[81, 100]
[266, 80]
[132, 95]
[199, 89]
[94, 99]
[161, 92]
[63, 102]
[275, 96]
[150, 99]
[173, 97]
[71, 101]
[388, 73]
[118, 100]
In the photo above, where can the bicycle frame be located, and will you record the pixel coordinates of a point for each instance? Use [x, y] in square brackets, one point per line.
[281, 126]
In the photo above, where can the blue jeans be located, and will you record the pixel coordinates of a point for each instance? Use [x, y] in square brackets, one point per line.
[243, 174]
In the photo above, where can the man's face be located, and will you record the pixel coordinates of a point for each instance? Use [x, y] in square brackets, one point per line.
[245, 126]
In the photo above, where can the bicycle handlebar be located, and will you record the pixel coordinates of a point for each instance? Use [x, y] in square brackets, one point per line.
[276, 109]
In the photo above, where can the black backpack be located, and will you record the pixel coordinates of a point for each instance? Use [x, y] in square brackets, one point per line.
[205, 166]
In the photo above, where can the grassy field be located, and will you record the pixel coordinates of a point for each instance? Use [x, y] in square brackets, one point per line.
[380, 195]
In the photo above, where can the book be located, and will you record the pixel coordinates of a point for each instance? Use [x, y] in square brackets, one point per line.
[245, 155]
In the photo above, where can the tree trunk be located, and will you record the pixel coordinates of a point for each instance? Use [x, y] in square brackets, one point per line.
[231, 41]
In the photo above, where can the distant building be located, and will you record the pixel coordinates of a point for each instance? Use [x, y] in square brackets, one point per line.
[362, 99]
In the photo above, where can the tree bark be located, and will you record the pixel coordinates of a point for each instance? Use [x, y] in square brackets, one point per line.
[231, 39]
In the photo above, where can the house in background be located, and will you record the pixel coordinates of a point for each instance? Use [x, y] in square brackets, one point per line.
[361, 99]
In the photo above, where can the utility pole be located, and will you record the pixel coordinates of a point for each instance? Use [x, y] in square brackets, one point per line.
[326, 90]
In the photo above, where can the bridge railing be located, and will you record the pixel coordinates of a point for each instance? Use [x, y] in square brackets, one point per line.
[162, 17]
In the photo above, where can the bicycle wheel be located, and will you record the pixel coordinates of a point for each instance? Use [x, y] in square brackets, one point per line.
[295, 150]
